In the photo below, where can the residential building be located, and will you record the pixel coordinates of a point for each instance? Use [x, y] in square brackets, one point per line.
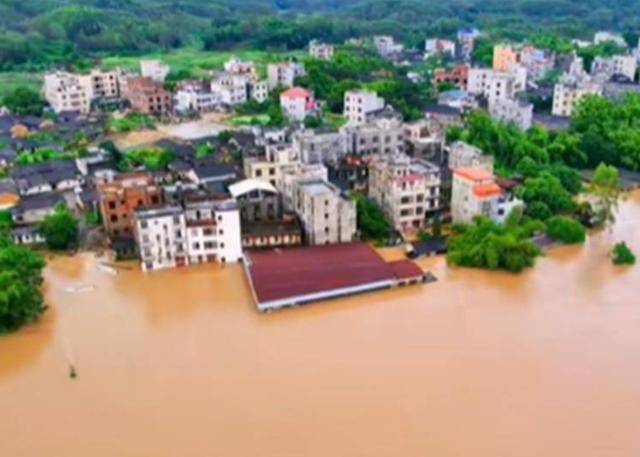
[572, 87]
[439, 47]
[35, 208]
[386, 45]
[425, 139]
[476, 193]
[406, 189]
[320, 146]
[193, 96]
[257, 199]
[293, 175]
[120, 198]
[514, 111]
[458, 76]
[463, 155]
[466, 42]
[283, 233]
[605, 68]
[147, 96]
[319, 50]
[259, 91]
[155, 70]
[358, 104]
[327, 216]
[67, 92]
[350, 174]
[278, 158]
[161, 236]
[284, 74]
[537, 61]
[376, 136]
[28, 235]
[604, 36]
[496, 85]
[56, 176]
[504, 57]
[240, 67]
[101, 84]
[459, 99]
[298, 103]
[231, 88]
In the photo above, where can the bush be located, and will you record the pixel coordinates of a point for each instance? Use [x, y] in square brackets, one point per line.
[371, 220]
[622, 255]
[60, 230]
[566, 230]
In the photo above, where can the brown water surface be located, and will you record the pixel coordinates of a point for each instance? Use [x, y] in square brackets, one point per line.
[179, 363]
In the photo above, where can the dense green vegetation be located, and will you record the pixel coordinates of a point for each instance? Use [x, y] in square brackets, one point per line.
[129, 123]
[23, 101]
[20, 279]
[41, 156]
[622, 255]
[372, 223]
[60, 230]
[566, 230]
[606, 188]
[153, 159]
[488, 244]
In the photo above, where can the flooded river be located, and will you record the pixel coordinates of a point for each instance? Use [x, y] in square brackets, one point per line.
[479, 364]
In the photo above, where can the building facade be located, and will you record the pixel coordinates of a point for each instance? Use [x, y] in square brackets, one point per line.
[358, 104]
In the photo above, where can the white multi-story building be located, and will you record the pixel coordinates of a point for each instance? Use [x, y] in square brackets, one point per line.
[376, 136]
[463, 155]
[161, 235]
[278, 158]
[327, 216]
[497, 85]
[475, 193]
[67, 92]
[358, 104]
[512, 111]
[386, 45]
[241, 67]
[203, 231]
[319, 50]
[101, 84]
[439, 47]
[320, 146]
[572, 87]
[284, 74]
[603, 68]
[297, 103]
[232, 89]
[259, 91]
[193, 96]
[299, 172]
[154, 69]
[406, 189]
[603, 36]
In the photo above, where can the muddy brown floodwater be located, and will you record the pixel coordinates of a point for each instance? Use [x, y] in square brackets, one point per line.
[479, 364]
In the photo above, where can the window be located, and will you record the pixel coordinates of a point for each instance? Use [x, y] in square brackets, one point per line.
[114, 218]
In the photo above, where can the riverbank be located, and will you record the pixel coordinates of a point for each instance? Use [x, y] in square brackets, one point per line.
[180, 363]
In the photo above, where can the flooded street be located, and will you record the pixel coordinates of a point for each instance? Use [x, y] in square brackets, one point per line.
[179, 363]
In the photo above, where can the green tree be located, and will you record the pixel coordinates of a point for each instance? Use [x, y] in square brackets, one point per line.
[60, 230]
[565, 230]
[372, 222]
[24, 101]
[606, 188]
[547, 189]
[622, 255]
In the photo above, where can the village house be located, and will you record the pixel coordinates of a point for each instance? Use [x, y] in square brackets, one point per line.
[147, 96]
[425, 139]
[439, 47]
[278, 158]
[359, 104]
[463, 155]
[155, 70]
[35, 208]
[28, 235]
[604, 36]
[286, 232]
[407, 189]
[194, 96]
[459, 99]
[284, 74]
[67, 92]
[232, 89]
[120, 198]
[298, 103]
[537, 62]
[497, 85]
[240, 67]
[257, 199]
[259, 91]
[514, 111]
[605, 68]
[320, 145]
[380, 135]
[466, 42]
[386, 45]
[321, 51]
[458, 76]
[572, 87]
[350, 174]
[56, 176]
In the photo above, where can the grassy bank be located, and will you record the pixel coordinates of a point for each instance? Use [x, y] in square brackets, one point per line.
[10, 80]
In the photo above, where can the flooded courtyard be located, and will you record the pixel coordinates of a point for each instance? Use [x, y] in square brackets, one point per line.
[179, 363]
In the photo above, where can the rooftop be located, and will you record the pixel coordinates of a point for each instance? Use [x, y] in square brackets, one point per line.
[473, 174]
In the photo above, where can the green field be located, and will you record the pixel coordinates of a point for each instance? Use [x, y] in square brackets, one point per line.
[199, 62]
[9, 81]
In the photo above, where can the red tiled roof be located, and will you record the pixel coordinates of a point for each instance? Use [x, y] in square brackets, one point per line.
[473, 174]
[278, 275]
[296, 92]
[487, 190]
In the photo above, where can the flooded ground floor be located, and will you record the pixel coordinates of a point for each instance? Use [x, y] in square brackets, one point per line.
[179, 363]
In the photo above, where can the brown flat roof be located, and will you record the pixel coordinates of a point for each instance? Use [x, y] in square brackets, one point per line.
[289, 273]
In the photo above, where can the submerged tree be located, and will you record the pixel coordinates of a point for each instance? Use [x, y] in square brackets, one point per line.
[606, 188]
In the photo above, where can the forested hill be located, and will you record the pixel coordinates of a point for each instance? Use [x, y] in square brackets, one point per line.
[36, 32]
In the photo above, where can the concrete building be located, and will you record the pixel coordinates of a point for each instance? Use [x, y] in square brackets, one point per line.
[278, 158]
[439, 47]
[298, 103]
[463, 155]
[259, 91]
[284, 74]
[386, 45]
[496, 85]
[572, 87]
[240, 67]
[295, 174]
[257, 199]
[319, 50]
[148, 96]
[161, 236]
[603, 68]
[407, 189]
[327, 216]
[466, 42]
[505, 57]
[458, 99]
[458, 76]
[476, 193]
[119, 200]
[67, 92]
[193, 96]
[101, 84]
[231, 88]
[155, 70]
[318, 146]
[603, 36]
[358, 104]
[514, 111]
[376, 136]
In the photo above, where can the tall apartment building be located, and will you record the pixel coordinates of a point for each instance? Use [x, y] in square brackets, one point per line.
[284, 74]
[319, 50]
[358, 104]
[320, 146]
[205, 230]
[155, 70]
[120, 198]
[376, 136]
[605, 68]
[406, 189]
[147, 96]
[327, 216]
